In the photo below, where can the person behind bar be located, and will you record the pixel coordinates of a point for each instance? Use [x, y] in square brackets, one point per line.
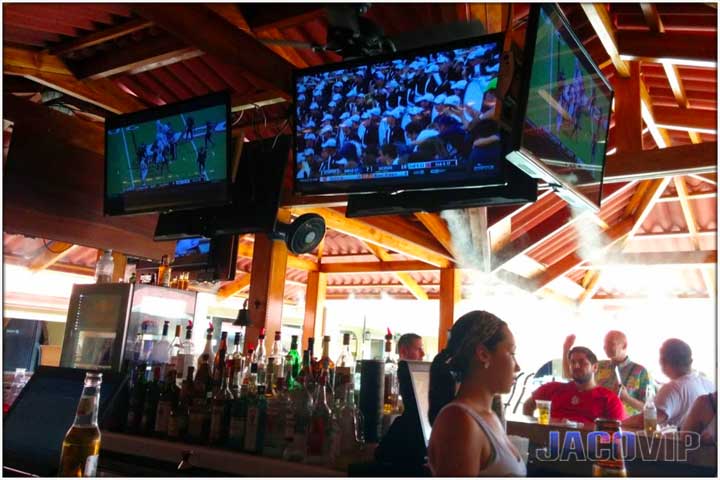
[467, 437]
[674, 399]
[581, 400]
[410, 347]
[634, 378]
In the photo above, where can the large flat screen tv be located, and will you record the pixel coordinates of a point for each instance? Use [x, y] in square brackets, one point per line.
[168, 158]
[566, 106]
[420, 119]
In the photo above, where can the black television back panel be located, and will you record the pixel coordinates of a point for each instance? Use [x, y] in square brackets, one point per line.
[256, 197]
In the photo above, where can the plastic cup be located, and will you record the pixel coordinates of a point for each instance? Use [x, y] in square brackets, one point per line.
[544, 409]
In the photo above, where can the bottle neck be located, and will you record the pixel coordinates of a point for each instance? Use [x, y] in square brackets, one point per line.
[208, 344]
[87, 410]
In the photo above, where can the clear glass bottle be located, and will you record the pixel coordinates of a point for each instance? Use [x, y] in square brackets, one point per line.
[649, 412]
[104, 268]
[254, 431]
[175, 347]
[391, 383]
[148, 342]
[203, 373]
[81, 445]
[186, 359]
[238, 418]
[344, 369]
[219, 361]
[327, 366]
[320, 431]
[261, 358]
[350, 429]
[302, 412]
[277, 353]
[238, 364]
[160, 354]
[276, 419]
[220, 413]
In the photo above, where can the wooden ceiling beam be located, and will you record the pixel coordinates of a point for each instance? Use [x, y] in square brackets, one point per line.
[404, 277]
[364, 231]
[686, 119]
[439, 229]
[654, 191]
[681, 188]
[260, 18]
[234, 287]
[652, 17]
[49, 255]
[692, 49]
[43, 121]
[50, 71]
[657, 259]
[602, 23]
[159, 52]
[651, 164]
[376, 267]
[99, 37]
[211, 33]
[246, 250]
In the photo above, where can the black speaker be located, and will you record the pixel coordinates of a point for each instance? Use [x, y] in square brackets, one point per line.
[303, 234]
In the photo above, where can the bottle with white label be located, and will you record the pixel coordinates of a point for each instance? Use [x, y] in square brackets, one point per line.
[649, 412]
[81, 445]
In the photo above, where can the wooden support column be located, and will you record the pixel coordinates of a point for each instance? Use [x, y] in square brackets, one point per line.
[628, 135]
[450, 293]
[120, 263]
[314, 307]
[267, 287]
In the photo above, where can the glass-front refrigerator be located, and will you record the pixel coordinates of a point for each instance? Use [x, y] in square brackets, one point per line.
[106, 320]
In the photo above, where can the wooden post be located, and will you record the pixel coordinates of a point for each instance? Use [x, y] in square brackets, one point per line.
[450, 292]
[267, 287]
[120, 262]
[314, 307]
[628, 135]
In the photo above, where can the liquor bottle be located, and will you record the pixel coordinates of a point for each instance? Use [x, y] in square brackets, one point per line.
[147, 344]
[320, 434]
[249, 358]
[166, 403]
[612, 465]
[137, 400]
[219, 362]
[261, 358]
[350, 429]
[238, 364]
[275, 420]
[220, 413]
[649, 412]
[203, 375]
[164, 272]
[302, 411]
[391, 385]
[344, 369]
[314, 364]
[186, 359]
[81, 445]
[160, 354]
[270, 376]
[278, 354]
[199, 415]
[293, 357]
[238, 417]
[152, 397]
[104, 268]
[175, 348]
[327, 366]
[254, 432]
[179, 415]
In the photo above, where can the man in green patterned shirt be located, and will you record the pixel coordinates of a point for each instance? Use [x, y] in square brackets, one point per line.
[633, 377]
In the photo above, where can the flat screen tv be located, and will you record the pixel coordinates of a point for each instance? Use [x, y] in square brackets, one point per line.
[255, 197]
[169, 158]
[565, 111]
[419, 119]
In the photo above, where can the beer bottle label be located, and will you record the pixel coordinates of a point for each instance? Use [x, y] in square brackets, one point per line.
[91, 463]
[162, 417]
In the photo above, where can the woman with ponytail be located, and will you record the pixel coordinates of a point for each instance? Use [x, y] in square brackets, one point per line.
[468, 438]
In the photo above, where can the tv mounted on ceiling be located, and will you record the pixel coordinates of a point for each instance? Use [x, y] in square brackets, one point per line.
[416, 120]
[565, 107]
[169, 158]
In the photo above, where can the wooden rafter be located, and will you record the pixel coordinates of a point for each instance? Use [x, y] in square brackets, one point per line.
[592, 286]
[601, 22]
[246, 250]
[407, 229]
[50, 255]
[234, 287]
[678, 48]
[376, 267]
[652, 17]
[373, 234]
[656, 259]
[50, 71]
[211, 33]
[291, 15]
[651, 164]
[439, 229]
[647, 202]
[686, 119]
[404, 278]
[99, 37]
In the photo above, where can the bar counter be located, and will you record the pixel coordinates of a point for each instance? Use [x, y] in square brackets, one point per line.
[699, 462]
[211, 459]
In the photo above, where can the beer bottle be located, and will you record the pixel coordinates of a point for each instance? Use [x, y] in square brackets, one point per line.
[614, 466]
[81, 445]
[649, 412]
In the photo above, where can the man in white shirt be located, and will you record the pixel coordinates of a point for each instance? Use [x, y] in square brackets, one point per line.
[674, 399]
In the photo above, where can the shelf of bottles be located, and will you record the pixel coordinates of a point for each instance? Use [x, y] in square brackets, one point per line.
[274, 404]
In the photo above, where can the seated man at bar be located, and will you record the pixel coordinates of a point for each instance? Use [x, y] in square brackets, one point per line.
[674, 399]
[619, 374]
[581, 400]
[410, 347]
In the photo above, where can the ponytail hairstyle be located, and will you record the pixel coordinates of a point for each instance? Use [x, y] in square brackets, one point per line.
[452, 364]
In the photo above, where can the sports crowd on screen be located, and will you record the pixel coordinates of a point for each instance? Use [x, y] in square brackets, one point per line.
[399, 114]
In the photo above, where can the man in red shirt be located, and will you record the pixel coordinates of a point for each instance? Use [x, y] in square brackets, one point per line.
[581, 400]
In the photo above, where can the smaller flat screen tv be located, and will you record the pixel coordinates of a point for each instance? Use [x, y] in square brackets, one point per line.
[169, 158]
[414, 120]
[191, 252]
[565, 113]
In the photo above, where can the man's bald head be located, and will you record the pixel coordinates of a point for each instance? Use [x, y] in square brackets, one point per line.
[615, 346]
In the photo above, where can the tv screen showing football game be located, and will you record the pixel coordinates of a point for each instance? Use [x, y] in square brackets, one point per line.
[568, 107]
[418, 120]
[171, 157]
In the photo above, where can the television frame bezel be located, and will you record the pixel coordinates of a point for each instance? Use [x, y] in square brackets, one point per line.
[347, 187]
[519, 121]
[159, 112]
